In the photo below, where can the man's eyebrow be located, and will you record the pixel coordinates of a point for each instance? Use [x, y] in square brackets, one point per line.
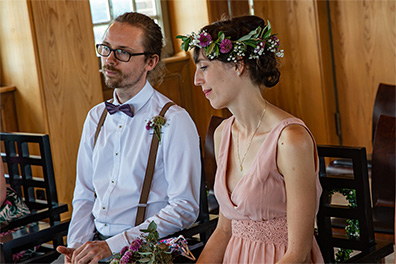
[119, 47]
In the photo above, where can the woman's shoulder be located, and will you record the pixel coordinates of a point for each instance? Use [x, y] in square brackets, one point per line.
[219, 129]
[294, 138]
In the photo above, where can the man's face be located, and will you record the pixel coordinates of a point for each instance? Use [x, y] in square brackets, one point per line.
[119, 74]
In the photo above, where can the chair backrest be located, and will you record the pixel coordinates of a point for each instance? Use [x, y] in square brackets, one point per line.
[384, 104]
[203, 198]
[383, 170]
[209, 153]
[30, 174]
[358, 182]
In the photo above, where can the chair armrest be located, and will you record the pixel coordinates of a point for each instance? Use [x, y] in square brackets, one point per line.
[35, 216]
[378, 251]
[27, 237]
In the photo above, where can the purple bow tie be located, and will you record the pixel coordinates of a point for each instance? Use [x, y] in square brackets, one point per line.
[112, 109]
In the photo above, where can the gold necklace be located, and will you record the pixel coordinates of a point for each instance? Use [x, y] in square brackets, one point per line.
[250, 141]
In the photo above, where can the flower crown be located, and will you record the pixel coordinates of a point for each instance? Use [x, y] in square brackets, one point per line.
[260, 40]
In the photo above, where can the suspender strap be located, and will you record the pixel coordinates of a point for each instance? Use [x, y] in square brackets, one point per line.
[100, 124]
[149, 173]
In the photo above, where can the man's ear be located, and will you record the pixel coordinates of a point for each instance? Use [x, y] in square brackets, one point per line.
[151, 62]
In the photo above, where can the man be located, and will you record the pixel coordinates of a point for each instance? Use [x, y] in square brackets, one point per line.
[110, 173]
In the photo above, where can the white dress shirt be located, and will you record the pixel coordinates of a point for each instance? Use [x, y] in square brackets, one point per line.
[115, 168]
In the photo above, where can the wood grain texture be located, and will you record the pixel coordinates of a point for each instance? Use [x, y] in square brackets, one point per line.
[219, 9]
[70, 80]
[19, 66]
[8, 116]
[364, 36]
[300, 90]
[188, 16]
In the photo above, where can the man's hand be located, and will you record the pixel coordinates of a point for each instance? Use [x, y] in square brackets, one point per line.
[68, 252]
[91, 252]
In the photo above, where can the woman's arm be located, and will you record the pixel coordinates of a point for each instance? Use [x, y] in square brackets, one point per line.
[296, 162]
[217, 243]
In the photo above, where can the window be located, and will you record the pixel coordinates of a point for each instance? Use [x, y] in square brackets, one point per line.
[105, 11]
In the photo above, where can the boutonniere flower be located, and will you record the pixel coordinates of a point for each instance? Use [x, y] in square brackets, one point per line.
[156, 123]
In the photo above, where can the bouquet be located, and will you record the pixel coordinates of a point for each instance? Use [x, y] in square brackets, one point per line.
[149, 249]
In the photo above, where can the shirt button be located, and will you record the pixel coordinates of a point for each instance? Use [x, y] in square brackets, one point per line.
[112, 181]
[116, 153]
[103, 208]
[105, 224]
[120, 126]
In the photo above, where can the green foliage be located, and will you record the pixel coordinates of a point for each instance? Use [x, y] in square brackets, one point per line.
[343, 254]
[352, 225]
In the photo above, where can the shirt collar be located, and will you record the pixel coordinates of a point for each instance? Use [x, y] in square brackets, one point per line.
[140, 99]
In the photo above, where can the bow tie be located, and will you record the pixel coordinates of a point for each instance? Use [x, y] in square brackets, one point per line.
[112, 109]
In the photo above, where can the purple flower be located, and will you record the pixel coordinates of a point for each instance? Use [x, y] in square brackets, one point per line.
[135, 245]
[225, 46]
[126, 258]
[148, 125]
[204, 39]
[123, 250]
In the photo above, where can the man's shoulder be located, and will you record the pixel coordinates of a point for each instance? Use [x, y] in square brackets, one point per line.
[161, 100]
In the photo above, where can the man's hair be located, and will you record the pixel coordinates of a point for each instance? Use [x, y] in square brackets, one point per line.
[152, 41]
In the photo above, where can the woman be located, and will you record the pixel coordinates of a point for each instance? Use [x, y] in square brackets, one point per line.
[267, 178]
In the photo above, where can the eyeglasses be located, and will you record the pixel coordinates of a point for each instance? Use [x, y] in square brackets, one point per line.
[119, 54]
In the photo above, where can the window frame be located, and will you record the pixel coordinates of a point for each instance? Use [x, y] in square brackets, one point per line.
[162, 19]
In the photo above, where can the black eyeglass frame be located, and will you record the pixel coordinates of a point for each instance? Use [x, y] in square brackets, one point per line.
[115, 53]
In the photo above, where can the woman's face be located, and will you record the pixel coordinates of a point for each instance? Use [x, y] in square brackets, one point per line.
[216, 79]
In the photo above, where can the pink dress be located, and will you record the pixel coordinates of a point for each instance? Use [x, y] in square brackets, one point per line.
[257, 206]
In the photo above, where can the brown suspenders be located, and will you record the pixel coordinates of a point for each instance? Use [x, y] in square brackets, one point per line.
[150, 165]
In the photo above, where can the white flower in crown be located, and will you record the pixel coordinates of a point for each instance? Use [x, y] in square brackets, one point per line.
[255, 44]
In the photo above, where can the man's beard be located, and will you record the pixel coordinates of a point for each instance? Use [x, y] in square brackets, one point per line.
[119, 81]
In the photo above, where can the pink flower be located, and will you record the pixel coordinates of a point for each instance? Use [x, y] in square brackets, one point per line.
[225, 46]
[204, 39]
[126, 258]
[135, 245]
[123, 250]
[148, 125]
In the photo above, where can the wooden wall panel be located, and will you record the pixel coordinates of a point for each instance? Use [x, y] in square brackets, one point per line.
[8, 116]
[227, 8]
[18, 65]
[68, 69]
[364, 37]
[188, 16]
[300, 90]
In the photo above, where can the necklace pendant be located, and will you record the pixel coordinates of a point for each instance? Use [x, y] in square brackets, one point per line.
[240, 166]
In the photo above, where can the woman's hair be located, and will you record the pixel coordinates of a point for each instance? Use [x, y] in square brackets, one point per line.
[263, 70]
[152, 40]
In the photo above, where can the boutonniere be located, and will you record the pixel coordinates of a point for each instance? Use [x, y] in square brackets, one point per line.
[156, 123]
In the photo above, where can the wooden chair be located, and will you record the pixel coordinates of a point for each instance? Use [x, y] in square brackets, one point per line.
[383, 175]
[208, 203]
[384, 104]
[370, 250]
[31, 175]
[210, 163]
